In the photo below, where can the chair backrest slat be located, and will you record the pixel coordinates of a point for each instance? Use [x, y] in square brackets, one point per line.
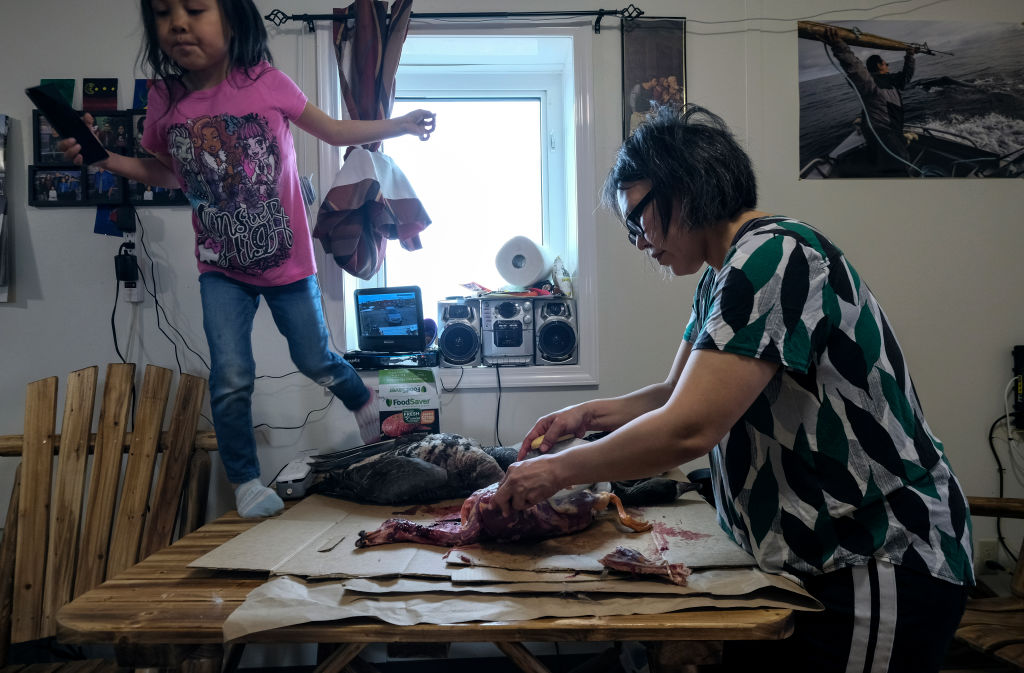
[198, 485]
[106, 472]
[8, 547]
[68, 488]
[138, 475]
[181, 433]
[33, 509]
[64, 536]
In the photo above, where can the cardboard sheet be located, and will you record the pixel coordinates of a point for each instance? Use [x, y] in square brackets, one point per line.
[286, 601]
[316, 539]
[728, 582]
[720, 582]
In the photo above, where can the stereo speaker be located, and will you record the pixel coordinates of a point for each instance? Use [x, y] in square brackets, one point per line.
[458, 341]
[555, 329]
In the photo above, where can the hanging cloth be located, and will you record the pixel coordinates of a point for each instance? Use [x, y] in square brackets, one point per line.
[370, 201]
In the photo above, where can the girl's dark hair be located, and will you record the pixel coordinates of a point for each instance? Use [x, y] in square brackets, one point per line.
[247, 47]
[690, 156]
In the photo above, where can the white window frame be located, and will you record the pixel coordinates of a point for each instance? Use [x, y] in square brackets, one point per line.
[580, 181]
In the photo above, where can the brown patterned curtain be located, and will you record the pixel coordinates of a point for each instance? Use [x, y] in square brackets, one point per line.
[371, 201]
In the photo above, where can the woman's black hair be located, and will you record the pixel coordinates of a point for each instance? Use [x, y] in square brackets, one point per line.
[247, 47]
[690, 156]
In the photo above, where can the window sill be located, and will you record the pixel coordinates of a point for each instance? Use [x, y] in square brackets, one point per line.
[455, 378]
[451, 379]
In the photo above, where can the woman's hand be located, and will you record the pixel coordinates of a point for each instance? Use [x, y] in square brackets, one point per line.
[573, 421]
[72, 150]
[528, 483]
[419, 123]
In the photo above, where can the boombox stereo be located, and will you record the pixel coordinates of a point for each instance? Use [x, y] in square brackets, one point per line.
[556, 332]
[458, 341]
[506, 331]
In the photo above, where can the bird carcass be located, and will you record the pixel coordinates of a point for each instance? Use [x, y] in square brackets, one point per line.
[565, 512]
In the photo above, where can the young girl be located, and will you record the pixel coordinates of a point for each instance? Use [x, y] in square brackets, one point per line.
[216, 92]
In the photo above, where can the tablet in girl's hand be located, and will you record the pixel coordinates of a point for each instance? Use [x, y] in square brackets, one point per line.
[66, 121]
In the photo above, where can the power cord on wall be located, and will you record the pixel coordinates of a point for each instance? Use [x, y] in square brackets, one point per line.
[497, 410]
[1002, 472]
[162, 318]
[1013, 451]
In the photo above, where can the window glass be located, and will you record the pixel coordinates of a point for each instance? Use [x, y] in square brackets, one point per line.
[479, 178]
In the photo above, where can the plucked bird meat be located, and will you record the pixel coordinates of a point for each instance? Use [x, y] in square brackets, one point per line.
[565, 512]
[632, 561]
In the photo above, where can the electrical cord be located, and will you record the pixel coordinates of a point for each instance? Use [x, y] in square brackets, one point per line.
[113, 313]
[160, 310]
[1002, 471]
[124, 250]
[1006, 410]
[304, 421]
[1012, 447]
[124, 247]
[815, 16]
[154, 293]
[462, 372]
[497, 411]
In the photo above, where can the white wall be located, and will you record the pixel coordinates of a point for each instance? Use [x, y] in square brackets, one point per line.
[942, 255]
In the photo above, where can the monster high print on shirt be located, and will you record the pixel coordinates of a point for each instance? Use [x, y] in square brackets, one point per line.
[231, 167]
[232, 150]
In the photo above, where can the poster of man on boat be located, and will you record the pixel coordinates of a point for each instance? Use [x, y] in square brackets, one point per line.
[918, 99]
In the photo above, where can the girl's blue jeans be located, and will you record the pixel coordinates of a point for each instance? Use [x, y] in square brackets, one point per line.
[229, 307]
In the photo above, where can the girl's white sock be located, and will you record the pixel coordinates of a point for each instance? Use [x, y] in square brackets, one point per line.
[253, 499]
[368, 419]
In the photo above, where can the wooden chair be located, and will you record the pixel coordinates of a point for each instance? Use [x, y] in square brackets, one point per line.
[995, 625]
[62, 538]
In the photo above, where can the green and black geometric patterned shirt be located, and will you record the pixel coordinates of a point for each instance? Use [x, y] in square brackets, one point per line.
[833, 463]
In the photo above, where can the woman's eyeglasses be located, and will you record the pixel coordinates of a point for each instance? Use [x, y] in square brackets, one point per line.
[634, 227]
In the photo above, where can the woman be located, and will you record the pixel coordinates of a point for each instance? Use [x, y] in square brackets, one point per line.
[790, 377]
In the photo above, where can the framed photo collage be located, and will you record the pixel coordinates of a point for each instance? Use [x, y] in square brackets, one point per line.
[55, 183]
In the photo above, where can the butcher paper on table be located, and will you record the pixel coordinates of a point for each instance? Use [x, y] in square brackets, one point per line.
[286, 601]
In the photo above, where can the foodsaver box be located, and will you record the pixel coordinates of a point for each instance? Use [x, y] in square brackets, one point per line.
[408, 401]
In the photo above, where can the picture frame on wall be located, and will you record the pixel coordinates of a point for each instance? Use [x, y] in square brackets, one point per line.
[653, 67]
[138, 124]
[56, 186]
[44, 142]
[141, 195]
[103, 187]
[114, 129]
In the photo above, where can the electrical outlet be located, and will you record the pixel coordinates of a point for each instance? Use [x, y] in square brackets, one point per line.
[985, 551]
[132, 291]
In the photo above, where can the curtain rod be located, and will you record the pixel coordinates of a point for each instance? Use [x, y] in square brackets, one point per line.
[277, 17]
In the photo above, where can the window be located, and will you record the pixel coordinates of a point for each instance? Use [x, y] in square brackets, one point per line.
[511, 156]
[480, 180]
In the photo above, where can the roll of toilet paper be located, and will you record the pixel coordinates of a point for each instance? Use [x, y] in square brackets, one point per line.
[523, 262]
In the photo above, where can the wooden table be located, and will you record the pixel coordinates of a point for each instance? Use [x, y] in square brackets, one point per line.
[160, 609]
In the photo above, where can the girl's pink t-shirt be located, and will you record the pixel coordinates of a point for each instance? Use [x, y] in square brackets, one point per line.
[234, 156]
